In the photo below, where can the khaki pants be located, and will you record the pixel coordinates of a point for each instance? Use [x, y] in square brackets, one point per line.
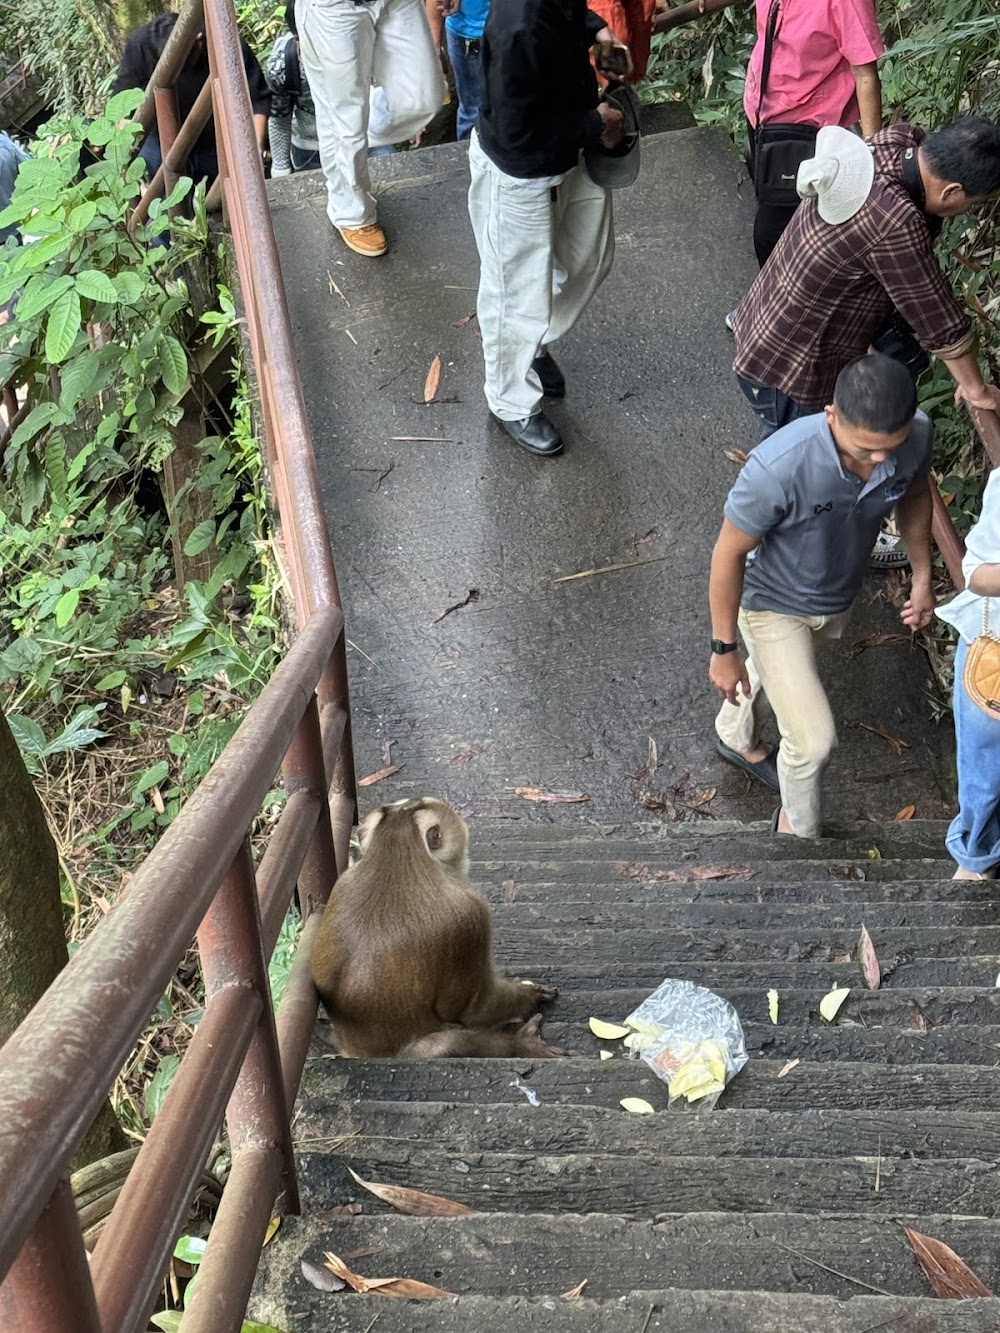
[781, 664]
[541, 260]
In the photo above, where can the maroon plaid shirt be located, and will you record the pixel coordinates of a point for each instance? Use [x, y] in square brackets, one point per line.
[826, 290]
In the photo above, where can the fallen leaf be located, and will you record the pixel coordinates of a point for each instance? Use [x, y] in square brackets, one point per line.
[574, 1292]
[379, 776]
[607, 1031]
[457, 606]
[876, 640]
[868, 959]
[352, 1209]
[653, 535]
[787, 1068]
[636, 1106]
[463, 756]
[414, 1202]
[848, 872]
[433, 380]
[735, 456]
[405, 1287]
[552, 797]
[272, 1228]
[896, 745]
[907, 812]
[509, 891]
[841, 957]
[644, 874]
[950, 1276]
[321, 1277]
[387, 751]
[829, 1006]
[704, 796]
[920, 1020]
[772, 1005]
[607, 1055]
[466, 319]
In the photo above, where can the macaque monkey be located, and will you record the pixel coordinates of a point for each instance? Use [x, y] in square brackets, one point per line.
[402, 958]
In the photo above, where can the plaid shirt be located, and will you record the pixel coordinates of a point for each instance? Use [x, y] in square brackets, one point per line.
[824, 293]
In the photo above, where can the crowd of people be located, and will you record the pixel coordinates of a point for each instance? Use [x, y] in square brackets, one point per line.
[849, 304]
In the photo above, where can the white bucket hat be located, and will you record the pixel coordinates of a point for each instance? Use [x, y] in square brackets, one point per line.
[840, 176]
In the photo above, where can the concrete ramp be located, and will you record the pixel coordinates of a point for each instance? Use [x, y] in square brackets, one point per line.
[531, 681]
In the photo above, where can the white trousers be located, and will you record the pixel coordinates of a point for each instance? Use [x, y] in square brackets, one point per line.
[346, 48]
[541, 260]
[781, 664]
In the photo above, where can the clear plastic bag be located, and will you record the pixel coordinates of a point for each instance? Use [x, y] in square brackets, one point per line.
[691, 1038]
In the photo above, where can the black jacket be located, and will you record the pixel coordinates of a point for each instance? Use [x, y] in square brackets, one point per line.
[539, 100]
[143, 48]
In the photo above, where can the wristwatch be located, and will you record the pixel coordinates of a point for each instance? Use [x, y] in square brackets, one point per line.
[720, 647]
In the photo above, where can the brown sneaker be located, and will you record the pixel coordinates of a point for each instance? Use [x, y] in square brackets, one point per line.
[368, 240]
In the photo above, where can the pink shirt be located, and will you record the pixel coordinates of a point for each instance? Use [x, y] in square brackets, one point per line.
[818, 41]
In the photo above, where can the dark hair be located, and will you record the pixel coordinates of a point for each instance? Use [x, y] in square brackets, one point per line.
[290, 18]
[876, 393]
[968, 153]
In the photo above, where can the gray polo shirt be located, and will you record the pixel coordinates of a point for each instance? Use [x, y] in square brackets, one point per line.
[817, 522]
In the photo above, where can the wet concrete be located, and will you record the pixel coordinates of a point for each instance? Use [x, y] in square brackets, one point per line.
[536, 682]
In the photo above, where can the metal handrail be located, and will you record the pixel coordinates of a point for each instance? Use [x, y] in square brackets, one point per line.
[243, 1061]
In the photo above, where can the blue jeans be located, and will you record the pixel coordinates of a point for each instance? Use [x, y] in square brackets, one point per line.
[772, 408]
[973, 839]
[11, 158]
[468, 82]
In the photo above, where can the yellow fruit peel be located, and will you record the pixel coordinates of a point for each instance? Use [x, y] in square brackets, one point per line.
[607, 1031]
[829, 1006]
[772, 1005]
[636, 1106]
[701, 1073]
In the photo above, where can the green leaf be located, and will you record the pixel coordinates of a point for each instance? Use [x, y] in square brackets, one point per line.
[129, 287]
[28, 734]
[96, 286]
[173, 365]
[191, 1249]
[200, 538]
[78, 377]
[62, 327]
[159, 1084]
[169, 1321]
[249, 1326]
[37, 419]
[83, 215]
[66, 606]
[111, 681]
[178, 193]
[123, 104]
[151, 777]
[38, 295]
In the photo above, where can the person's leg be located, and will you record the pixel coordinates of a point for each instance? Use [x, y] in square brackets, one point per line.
[583, 248]
[406, 65]
[740, 726]
[772, 408]
[783, 650]
[769, 223]
[304, 159]
[468, 82]
[336, 47]
[512, 222]
[973, 840]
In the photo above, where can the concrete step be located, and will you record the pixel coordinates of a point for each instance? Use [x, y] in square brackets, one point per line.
[743, 912]
[730, 870]
[574, 1082]
[643, 1312]
[808, 891]
[528, 1255]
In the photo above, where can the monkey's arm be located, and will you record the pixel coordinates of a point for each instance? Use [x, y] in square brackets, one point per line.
[499, 1001]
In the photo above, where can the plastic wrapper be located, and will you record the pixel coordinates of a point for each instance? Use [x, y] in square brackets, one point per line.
[691, 1038]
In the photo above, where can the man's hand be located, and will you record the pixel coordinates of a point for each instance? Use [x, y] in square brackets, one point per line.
[728, 673]
[987, 398]
[918, 610]
[614, 124]
[612, 58]
[447, 7]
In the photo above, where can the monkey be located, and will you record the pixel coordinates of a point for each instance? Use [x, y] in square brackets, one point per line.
[403, 959]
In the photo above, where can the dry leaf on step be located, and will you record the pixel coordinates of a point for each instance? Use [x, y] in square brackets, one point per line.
[868, 959]
[574, 1292]
[830, 1004]
[433, 380]
[321, 1277]
[607, 1031]
[907, 812]
[380, 776]
[787, 1068]
[405, 1287]
[415, 1202]
[552, 797]
[949, 1275]
[735, 456]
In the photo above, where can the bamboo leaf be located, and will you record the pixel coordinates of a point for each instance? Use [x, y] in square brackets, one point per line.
[414, 1202]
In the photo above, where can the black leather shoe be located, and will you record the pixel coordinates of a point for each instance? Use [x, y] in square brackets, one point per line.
[553, 380]
[536, 434]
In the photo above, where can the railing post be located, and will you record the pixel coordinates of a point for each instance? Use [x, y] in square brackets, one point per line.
[47, 1288]
[304, 768]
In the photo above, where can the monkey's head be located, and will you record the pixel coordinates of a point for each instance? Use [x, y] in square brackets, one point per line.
[433, 825]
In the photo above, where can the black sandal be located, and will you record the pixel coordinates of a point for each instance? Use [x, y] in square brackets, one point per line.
[764, 770]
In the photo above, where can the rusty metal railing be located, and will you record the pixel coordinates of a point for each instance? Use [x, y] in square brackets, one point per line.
[244, 1062]
[946, 537]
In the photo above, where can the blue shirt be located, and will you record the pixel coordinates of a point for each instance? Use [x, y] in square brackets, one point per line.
[469, 20]
[817, 521]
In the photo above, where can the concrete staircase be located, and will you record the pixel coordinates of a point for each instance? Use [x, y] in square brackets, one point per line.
[782, 1210]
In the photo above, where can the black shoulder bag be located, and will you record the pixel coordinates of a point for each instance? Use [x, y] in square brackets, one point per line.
[778, 150]
[895, 338]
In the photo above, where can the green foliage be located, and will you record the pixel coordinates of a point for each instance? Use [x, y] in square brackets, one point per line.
[70, 45]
